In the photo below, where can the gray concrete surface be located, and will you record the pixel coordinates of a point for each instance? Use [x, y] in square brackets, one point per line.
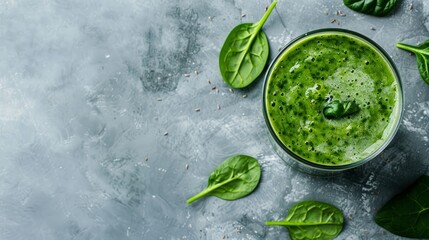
[100, 138]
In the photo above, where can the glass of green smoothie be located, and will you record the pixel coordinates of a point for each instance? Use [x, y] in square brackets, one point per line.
[332, 101]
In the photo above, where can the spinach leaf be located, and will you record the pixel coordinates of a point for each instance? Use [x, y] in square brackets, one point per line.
[372, 7]
[422, 53]
[234, 178]
[336, 109]
[245, 53]
[407, 214]
[312, 220]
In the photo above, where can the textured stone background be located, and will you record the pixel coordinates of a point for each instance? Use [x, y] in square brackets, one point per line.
[90, 89]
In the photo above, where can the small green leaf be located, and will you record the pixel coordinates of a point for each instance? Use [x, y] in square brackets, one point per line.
[245, 53]
[234, 178]
[350, 107]
[336, 109]
[309, 220]
[372, 7]
[407, 214]
[422, 54]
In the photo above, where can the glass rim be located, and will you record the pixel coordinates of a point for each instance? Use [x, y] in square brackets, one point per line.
[400, 103]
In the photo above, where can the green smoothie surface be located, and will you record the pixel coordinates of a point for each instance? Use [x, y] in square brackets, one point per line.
[321, 68]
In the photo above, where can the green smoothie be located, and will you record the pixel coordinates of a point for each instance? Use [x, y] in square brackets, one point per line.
[325, 67]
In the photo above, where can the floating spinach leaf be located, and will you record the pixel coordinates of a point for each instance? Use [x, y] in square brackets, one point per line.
[245, 52]
[407, 214]
[336, 109]
[234, 178]
[422, 53]
[372, 7]
[312, 220]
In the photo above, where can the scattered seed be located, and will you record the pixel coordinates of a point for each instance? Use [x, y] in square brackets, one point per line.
[187, 166]
[209, 82]
[243, 15]
[214, 88]
[210, 18]
[146, 159]
[231, 90]
[373, 28]
[218, 107]
[159, 99]
[197, 109]
[266, 8]
[166, 133]
[339, 13]
[245, 96]
[187, 75]
[334, 20]
[279, 49]
[217, 90]
[411, 6]
[196, 72]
